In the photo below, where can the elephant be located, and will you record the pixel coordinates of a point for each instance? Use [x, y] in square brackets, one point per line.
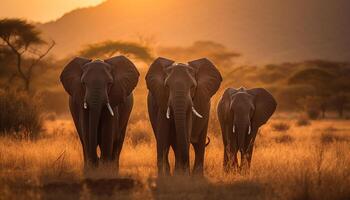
[241, 112]
[178, 105]
[100, 102]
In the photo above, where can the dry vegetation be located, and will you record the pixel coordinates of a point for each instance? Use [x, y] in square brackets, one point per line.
[294, 158]
[312, 164]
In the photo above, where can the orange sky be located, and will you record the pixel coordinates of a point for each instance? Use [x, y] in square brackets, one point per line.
[263, 31]
[41, 10]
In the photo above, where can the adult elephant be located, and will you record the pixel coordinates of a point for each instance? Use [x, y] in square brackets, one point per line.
[100, 101]
[241, 113]
[176, 92]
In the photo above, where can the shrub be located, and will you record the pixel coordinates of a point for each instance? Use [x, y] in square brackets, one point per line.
[139, 133]
[280, 126]
[303, 121]
[284, 139]
[329, 135]
[20, 114]
[313, 113]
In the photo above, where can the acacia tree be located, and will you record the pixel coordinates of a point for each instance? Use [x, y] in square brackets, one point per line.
[110, 48]
[24, 41]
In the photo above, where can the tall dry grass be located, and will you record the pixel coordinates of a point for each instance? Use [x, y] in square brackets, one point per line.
[307, 167]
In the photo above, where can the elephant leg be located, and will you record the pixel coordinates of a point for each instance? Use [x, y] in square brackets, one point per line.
[162, 135]
[77, 119]
[230, 159]
[106, 137]
[166, 161]
[199, 149]
[163, 147]
[248, 157]
[226, 161]
[230, 148]
[120, 125]
[249, 153]
[162, 159]
[117, 147]
[182, 162]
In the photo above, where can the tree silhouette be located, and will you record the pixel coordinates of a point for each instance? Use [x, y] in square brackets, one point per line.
[23, 40]
[218, 53]
[110, 48]
[340, 101]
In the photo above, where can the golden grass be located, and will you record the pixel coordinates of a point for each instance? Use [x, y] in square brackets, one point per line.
[306, 167]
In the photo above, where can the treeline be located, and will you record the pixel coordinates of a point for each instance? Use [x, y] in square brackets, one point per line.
[316, 87]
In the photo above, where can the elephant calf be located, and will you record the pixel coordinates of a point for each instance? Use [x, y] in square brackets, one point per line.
[178, 106]
[100, 101]
[241, 112]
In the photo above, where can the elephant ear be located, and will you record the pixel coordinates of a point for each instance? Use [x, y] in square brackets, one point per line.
[265, 106]
[155, 79]
[125, 76]
[71, 74]
[208, 79]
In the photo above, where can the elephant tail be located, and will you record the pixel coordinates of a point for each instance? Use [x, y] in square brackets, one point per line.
[206, 144]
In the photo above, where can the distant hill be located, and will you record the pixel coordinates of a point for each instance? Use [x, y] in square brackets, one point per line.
[269, 31]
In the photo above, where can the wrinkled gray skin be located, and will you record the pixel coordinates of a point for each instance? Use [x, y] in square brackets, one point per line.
[176, 93]
[241, 112]
[91, 86]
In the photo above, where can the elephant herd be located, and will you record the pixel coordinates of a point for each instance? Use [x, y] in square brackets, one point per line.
[101, 100]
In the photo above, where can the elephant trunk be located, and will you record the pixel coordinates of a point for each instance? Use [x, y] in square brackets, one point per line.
[96, 100]
[94, 116]
[241, 129]
[180, 109]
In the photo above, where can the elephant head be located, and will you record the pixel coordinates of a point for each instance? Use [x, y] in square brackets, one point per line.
[248, 110]
[176, 88]
[96, 87]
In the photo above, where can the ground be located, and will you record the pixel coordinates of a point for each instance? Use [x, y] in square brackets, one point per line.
[290, 161]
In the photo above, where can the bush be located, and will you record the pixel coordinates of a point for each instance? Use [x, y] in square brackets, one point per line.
[284, 139]
[313, 113]
[303, 121]
[139, 133]
[20, 115]
[280, 126]
[329, 135]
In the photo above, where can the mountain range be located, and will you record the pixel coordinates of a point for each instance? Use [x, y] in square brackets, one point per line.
[261, 31]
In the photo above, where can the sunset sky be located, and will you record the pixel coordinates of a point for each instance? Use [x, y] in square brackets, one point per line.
[263, 31]
[41, 10]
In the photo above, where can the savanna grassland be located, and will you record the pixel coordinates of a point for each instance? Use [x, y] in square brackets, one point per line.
[292, 160]
[294, 157]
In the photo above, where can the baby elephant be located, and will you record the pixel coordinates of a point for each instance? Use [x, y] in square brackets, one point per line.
[241, 112]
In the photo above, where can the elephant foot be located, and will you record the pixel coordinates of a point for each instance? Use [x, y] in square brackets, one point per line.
[181, 172]
[198, 171]
[229, 169]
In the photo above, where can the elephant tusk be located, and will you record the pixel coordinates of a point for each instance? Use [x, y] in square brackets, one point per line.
[196, 113]
[233, 128]
[110, 109]
[85, 105]
[249, 130]
[168, 113]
